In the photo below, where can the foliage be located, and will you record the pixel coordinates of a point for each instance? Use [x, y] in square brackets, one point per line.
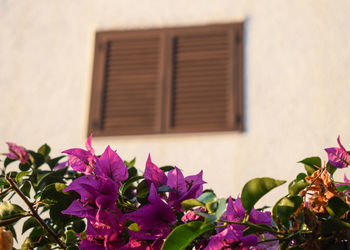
[103, 202]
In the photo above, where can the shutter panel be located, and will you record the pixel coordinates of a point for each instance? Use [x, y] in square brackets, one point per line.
[202, 81]
[131, 91]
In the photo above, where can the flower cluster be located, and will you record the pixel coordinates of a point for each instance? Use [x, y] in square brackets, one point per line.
[111, 222]
[102, 202]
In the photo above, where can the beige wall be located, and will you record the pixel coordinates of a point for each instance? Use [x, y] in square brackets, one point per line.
[297, 81]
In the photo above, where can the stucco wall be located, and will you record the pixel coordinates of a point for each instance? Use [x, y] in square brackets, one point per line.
[296, 82]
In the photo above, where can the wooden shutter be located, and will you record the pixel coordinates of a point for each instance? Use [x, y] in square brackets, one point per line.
[204, 91]
[167, 80]
[127, 84]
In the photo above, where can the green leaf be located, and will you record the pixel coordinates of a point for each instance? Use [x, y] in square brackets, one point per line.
[256, 188]
[296, 186]
[8, 161]
[336, 207]
[24, 167]
[29, 223]
[44, 150]
[183, 235]
[167, 168]
[342, 188]
[53, 192]
[20, 175]
[142, 192]
[300, 176]
[330, 168]
[79, 226]
[36, 158]
[333, 225]
[310, 163]
[53, 162]
[134, 227]
[207, 197]
[129, 183]
[286, 207]
[132, 171]
[10, 213]
[130, 163]
[71, 237]
[26, 188]
[27, 244]
[221, 208]
[190, 203]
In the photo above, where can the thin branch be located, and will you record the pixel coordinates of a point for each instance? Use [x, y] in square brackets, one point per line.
[34, 212]
[5, 191]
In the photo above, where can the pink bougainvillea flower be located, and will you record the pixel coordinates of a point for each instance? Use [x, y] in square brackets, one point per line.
[112, 166]
[190, 187]
[17, 153]
[100, 192]
[156, 215]
[232, 237]
[82, 160]
[338, 157]
[154, 174]
[139, 244]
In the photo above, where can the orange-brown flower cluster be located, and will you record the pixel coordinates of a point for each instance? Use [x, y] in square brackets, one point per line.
[321, 189]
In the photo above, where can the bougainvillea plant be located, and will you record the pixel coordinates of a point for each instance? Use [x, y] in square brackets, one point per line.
[86, 201]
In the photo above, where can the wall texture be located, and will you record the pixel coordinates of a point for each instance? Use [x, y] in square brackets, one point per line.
[296, 82]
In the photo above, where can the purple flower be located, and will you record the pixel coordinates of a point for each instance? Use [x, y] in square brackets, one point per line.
[17, 153]
[112, 166]
[154, 174]
[231, 237]
[100, 192]
[82, 160]
[190, 187]
[338, 157]
[153, 218]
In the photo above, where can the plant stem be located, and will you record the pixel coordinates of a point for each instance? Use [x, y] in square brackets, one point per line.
[34, 213]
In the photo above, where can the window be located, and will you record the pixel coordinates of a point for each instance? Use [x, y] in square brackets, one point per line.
[168, 80]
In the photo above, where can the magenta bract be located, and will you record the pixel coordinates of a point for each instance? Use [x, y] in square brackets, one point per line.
[338, 157]
[17, 153]
[154, 174]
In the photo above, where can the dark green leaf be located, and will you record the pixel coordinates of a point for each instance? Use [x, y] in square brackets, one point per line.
[300, 176]
[36, 158]
[142, 192]
[8, 161]
[286, 207]
[207, 197]
[72, 248]
[311, 164]
[132, 171]
[256, 188]
[44, 150]
[26, 188]
[24, 167]
[296, 186]
[10, 213]
[167, 168]
[129, 183]
[79, 226]
[53, 162]
[29, 223]
[184, 234]
[53, 191]
[330, 168]
[333, 225]
[336, 207]
[27, 244]
[190, 203]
